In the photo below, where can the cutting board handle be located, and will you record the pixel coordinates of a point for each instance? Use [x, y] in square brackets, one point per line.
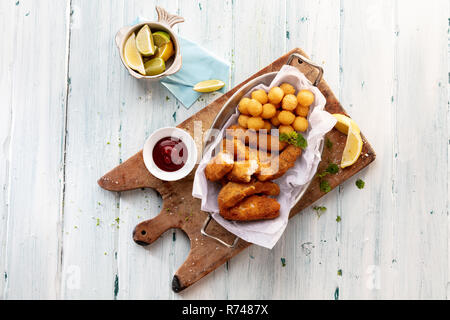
[148, 231]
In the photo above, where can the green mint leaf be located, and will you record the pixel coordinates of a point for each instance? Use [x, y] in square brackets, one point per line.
[328, 143]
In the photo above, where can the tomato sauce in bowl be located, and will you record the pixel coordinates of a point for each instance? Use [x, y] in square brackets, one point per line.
[170, 154]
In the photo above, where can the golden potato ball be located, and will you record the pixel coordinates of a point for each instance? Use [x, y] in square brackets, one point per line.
[243, 120]
[300, 124]
[260, 95]
[287, 88]
[286, 117]
[254, 107]
[289, 102]
[255, 123]
[302, 111]
[267, 125]
[243, 105]
[275, 95]
[305, 98]
[275, 120]
[285, 129]
[268, 111]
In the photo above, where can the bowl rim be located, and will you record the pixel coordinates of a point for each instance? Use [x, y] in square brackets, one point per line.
[175, 132]
[175, 66]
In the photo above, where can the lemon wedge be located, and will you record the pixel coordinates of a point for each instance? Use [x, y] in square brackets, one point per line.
[353, 146]
[144, 42]
[160, 38]
[165, 52]
[343, 123]
[209, 85]
[154, 66]
[132, 56]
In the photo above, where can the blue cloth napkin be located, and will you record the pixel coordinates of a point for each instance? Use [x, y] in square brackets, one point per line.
[198, 65]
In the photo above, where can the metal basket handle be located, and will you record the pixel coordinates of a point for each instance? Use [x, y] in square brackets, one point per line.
[302, 59]
[203, 231]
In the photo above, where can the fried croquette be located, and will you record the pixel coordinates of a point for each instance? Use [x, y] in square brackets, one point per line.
[289, 102]
[286, 117]
[305, 98]
[219, 166]
[287, 88]
[302, 111]
[267, 125]
[285, 129]
[260, 95]
[300, 124]
[255, 123]
[253, 208]
[275, 95]
[269, 111]
[254, 107]
[275, 120]
[243, 120]
[243, 105]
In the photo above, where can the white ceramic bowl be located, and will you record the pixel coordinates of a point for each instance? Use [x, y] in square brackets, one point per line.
[175, 133]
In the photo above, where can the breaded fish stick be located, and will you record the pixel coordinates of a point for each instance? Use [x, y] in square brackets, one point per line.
[253, 208]
[234, 192]
[278, 167]
[219, 166]
[243, 170]
[257, 140]
[237, 148]
[242, 152]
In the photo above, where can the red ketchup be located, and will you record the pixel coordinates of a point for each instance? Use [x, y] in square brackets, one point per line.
[170, 154]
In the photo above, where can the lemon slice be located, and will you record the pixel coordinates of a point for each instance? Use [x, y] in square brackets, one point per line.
[353, 146]
[209, 85]
[165, 52]
[154, 66]
[343, 123]
[160, 38]
[132, 56]
[144, 42]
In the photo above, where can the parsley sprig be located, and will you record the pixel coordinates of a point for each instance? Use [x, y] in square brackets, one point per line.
[319, 210]
[360, 183]
[324, 184]
[295, 139]
[331, 169]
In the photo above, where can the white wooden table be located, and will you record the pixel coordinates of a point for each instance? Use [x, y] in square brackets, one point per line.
[70, 112]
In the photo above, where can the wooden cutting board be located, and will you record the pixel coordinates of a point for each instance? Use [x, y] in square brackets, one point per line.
[181, 210]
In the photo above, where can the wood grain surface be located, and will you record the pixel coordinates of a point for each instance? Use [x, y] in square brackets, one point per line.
[71, 112]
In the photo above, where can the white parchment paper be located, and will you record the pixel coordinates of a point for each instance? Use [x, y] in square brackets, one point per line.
[266, 233]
